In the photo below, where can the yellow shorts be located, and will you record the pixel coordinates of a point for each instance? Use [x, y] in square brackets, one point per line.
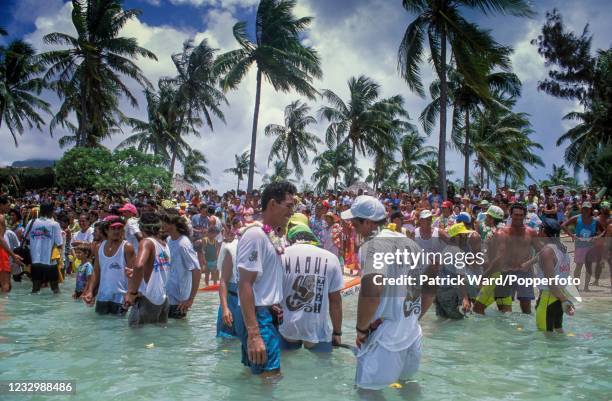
[486, 296]
[549, 312]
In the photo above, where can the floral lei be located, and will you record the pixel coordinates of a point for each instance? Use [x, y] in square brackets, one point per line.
[277, 242]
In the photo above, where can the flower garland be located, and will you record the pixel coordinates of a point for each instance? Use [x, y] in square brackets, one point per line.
[277, 242]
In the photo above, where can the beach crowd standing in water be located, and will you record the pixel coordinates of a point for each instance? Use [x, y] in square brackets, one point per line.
[280, 261]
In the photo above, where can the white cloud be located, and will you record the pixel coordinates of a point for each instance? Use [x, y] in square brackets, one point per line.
[526, 62]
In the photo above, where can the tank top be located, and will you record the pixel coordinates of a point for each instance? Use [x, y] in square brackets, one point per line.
[113, 281]
[155, 289]
[584, 231]
[562, 265]
[431, 244]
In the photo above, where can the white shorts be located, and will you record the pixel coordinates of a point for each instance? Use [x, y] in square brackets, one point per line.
[378, 367]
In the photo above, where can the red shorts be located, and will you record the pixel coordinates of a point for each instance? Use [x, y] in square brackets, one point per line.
[5, 265]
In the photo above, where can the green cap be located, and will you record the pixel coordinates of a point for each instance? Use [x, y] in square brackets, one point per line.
[298, 229]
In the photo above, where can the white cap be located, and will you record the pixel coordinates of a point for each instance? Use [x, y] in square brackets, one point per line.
[365, 207]
[425, 214]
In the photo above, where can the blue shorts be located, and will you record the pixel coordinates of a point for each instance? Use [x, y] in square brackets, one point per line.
[235, 331]
[271, 338]
[319, 347]
[211, 265]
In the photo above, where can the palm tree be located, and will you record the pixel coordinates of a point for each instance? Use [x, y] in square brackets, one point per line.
[501, 143]
[89, 73]
[280, 173]
[196, 92]
[292, 140]
[385, 168]
[332, 163]
[560, 176]
[466, 101]
[277, 52]
[167, 127]
[194, 167]
[442, 22]
[241, 168]
[367, 124]
[414, 153]
[20, 84]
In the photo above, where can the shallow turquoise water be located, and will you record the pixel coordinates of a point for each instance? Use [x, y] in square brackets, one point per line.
[481, 358]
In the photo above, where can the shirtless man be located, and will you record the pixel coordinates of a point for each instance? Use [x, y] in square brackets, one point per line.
[514, 246]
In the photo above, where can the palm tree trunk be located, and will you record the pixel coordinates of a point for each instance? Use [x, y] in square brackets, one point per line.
[286, 159]
[254, 133]
[238, 186]
[173, 163]
[409, 183]
[466, 152]
[488, 179]
[336, 185]
[481, 175]
[353, 161]
[443, 100]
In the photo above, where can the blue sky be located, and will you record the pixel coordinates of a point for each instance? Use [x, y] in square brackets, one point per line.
[353, 37]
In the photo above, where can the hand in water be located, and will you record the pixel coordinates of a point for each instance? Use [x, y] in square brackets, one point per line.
[184, 306]
[466, 305]
[256, 349]
[227, 318]
[88, 298]
[129, 299]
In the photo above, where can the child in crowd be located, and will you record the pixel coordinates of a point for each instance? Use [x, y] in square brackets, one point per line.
[84, 269]
[211, 254]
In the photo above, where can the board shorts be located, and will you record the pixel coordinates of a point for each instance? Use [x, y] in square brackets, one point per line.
[508, 292]
[549, 312]
[486, 295]
[271, 338]
[448, 299]
[235, 331]
[378, 367]
[44, 273]
[323, 346]
[110, 308]
[5, 263]
[580, 254]
[145, 312]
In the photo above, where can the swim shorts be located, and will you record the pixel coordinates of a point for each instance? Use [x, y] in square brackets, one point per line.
[510, 291]
[110, 308]
[271, 338]
[235, 331]
[448, 299]
[549, 312]
[44, 273]
[145, 311]
[211, 265]
[486, 296]
[175, 313]
[318, 347]
[378, 367]
[5, 265]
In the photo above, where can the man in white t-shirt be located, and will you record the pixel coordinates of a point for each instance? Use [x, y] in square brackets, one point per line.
[388, 330]
[311, 291]
[44, 235]
[132, 230]
[85, 234]
[261, 278]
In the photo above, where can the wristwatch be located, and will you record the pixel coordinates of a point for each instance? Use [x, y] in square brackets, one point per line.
[337, 333]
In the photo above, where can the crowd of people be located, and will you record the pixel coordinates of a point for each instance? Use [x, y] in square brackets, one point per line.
[280, 258]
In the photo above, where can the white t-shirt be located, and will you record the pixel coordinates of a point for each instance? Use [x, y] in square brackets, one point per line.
[183, 260]
[87, 236]
[400, 306]
[256, 253]
[310, 274]
[230, 247]
[131, 229]
[44, 234]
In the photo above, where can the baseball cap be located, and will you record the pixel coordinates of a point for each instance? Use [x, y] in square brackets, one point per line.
[128, 207]
[365, 207]
[300, 228]
[458, 228]
[532, 207]
[587, 204]
[605, 204]
[464, 217]
[425, 214]
[496, 212]
[484, 202]
[298, 219]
